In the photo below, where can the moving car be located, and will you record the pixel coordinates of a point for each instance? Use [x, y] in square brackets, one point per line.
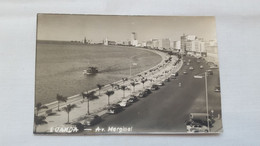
[114, 109]
[198, 76]
[124, 103]
[201, 67]
[191, 68]
[185, 72]
[173, 77]
[188, 63]
[160, 84]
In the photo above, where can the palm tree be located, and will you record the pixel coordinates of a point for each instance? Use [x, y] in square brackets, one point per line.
[133, 84]
[109, 93]
[40, 106]
[88, 96]
[61, 98]
[124, 79]
[99, 87]
[143, 81]
[68, 109]
[112, 85]
[123, 87]
[39, 120]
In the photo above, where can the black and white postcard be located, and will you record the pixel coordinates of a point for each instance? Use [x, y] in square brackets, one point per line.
[112, 74]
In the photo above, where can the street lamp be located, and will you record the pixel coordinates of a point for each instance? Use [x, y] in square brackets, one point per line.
[207, 104]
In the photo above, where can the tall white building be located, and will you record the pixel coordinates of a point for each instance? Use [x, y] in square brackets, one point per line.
[134, 41]
[155, 43]
[177, 45]
[106, 42]
[165, 44]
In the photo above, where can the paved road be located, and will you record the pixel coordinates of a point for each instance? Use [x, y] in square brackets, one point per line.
[168, 108]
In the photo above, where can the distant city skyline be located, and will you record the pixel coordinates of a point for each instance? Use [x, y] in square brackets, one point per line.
[120, 28]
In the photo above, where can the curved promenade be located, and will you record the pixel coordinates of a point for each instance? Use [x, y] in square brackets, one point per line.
[156, 74]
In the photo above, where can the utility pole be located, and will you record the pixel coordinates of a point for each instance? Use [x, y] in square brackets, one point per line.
[88, 106]
[207, 106]
[130, 71]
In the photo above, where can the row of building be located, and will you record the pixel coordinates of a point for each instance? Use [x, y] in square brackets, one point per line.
[188, 44]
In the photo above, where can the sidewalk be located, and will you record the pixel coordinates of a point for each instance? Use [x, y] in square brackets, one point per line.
[162, 71]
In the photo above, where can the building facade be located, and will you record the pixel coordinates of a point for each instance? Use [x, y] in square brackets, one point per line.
[155, 43]
[165, 44]
[134, 41]
[177, 45]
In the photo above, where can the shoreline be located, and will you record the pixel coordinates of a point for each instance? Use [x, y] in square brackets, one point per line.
[118, 81]
[99, 106]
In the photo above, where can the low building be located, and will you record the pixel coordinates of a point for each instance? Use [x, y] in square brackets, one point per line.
[143, 44]
[111, 43]
[126, 43]
[134, 42]
[155, 43]
[149, 44]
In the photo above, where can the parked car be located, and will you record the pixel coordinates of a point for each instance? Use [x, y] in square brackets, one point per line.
[213, 67]
[175, 74]
[188, 63]
[160, 84]
[142, 94]
[124, 103]
[185, 72]
[201, 67]
[114, 108]
[92, 120]
[154, 87]
[147, 91]
[132, 99]
[191, 68]
[173, 77]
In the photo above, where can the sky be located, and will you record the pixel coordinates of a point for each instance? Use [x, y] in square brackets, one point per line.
[119, 28]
